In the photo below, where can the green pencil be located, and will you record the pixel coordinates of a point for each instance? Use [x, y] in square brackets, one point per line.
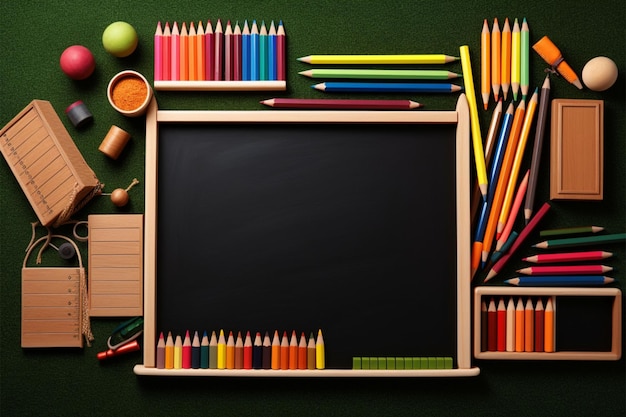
[570, 231]
[581, 241]
[380, 74]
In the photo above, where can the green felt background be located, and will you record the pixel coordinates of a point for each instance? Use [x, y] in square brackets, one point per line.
[72, 382]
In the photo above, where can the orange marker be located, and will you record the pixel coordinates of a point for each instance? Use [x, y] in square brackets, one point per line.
[485, 64]
[496, 60]
[505, 68]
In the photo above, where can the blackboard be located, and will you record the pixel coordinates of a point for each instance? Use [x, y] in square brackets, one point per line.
[347, 222]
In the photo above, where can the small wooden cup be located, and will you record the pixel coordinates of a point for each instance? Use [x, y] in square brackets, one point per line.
[129, 93]
[114, 142]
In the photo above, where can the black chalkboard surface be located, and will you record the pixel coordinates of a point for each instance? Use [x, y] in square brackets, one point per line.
[346, 222]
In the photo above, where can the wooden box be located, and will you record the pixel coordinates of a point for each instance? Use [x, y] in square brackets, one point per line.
[47, 164]
[577, 150]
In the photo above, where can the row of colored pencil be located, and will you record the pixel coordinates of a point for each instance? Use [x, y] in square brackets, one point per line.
[402, 363]
[200, 53]
[237, 352]
[504, 59]
[518, 326]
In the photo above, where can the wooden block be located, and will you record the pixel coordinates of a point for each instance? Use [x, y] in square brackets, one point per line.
[115, 265]
[577, 150]
[47, 164]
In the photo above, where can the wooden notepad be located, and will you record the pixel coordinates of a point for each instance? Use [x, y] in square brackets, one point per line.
[115, 265]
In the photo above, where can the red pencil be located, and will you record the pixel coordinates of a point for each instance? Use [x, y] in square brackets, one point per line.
[236, 42]
[280, 52]
[530, 227]
[501, 324]
[569, 257]
[187, 351]
[247, 352]
[566, 270]
[209, 52]
[340, 104]
[539, 330]
[166, 43]
[293, 351]
[492, 327]
[284, 352]
[302, 352]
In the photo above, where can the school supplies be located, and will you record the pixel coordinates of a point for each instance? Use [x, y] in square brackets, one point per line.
[558, 280]
[581, 241]
[385, 74]
[378, 59]
[386, 87]
[553, 57]
[338, 104]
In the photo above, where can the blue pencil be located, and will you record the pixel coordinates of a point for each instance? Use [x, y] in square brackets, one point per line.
[245, 52]
[559, 280]
[365, 87]
[271, 52]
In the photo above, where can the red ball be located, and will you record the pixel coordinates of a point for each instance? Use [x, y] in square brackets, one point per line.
[77, 62]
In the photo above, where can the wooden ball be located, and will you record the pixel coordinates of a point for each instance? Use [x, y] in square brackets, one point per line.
[600, 73]
[120, 197]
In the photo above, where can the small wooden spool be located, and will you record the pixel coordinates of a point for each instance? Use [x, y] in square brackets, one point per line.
[114, 142]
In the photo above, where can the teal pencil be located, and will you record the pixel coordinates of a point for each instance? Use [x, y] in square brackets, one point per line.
[384, 74]
[581, 241]
[204, 351]
[263, 50]
[570, 231]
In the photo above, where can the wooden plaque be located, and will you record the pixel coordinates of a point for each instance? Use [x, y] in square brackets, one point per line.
[577, 150]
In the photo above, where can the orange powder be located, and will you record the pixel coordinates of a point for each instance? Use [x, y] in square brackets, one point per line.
[129, 93]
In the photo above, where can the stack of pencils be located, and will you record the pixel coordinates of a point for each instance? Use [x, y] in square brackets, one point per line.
[227, 351]
[197, 52]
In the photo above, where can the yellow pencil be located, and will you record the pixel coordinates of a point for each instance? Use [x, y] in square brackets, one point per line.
[378, 59]
[505, 69]
[517, 162]
[320, 355]
[221, 351]
[178, 353]
[516, 50]
[485, 64]
[477, 141]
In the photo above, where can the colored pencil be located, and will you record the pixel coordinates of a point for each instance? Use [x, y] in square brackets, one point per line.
[581, 241]
[204, 351]
[384, 74]
[386, 87]
[485, 64]
[166, 45]
[517, 203]
[503, 175]
[548, 326]
[477, 141]
[510, 326]
[239, 351]
[184, 53]
[228, 53]
[213, 351]
[267, 352]
[302, 354]
[201, 53]
[570, 231]
[236, 52]
[281, 52]
[496, 59]
[497, 254]
[245, 52]
[501, 323]
[515, 58]
[530, 227]
[169, 351]
[248, 352]
[520, 326]
[271, 52]
[276, 351]
[524, 58]
[254, 51]
[338, 104]
[263, 64]
[320, 351]
[192, 53]
[175, 53]
[178, 352]
[293, 351]
[230, 351]
[257, 352]
[569, 257]
[186, 352]
[492, 326]
[559, 280]
[378, 59]
[284, 352]
[484, 324]
[539, 326]
[195, 351]
[209, 52]
[529, 326]
[218, 60]
[221, 351]
[160, 352]
[542, 118]
[158, 52]
[566, 270]
[310, 353]
[517, 162]
[505, 70]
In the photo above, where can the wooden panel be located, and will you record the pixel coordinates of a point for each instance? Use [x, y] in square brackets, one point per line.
[115, 265]
[577, 150]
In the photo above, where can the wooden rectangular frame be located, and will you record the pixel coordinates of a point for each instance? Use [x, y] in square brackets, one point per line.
[460, 117]
[616, 342]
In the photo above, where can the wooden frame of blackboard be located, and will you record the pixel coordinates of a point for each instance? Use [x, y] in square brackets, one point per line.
[613, 295]
[459, 118]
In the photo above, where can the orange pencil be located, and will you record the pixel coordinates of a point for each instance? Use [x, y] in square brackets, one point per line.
[200, 53]
[496, 59]
[485, 64]
[505, 69]
[520, 326]
[184, 53]
[276, 351]
[548, 327]
[293, 351]
[230, 351]
[167, 52]
[284, 351]
[505, 170]
[529, 327]
[169, 351]
[519, 197]
[517, 161]
[192, 53]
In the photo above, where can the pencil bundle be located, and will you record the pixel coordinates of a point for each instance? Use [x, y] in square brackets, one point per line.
[197, 52]
[223, 350]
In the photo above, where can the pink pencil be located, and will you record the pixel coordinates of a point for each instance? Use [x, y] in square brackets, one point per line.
[209, 52]
[517, 203]
[166, 44]
[158, 53]
[175, 53]
[228, 52]
[566, 270]
[237, 53]
[218, 71]
[568, 257]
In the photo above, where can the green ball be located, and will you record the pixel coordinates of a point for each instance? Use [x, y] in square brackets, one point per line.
[119, 39]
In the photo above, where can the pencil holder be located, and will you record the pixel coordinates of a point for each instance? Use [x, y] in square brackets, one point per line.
[129, 93]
